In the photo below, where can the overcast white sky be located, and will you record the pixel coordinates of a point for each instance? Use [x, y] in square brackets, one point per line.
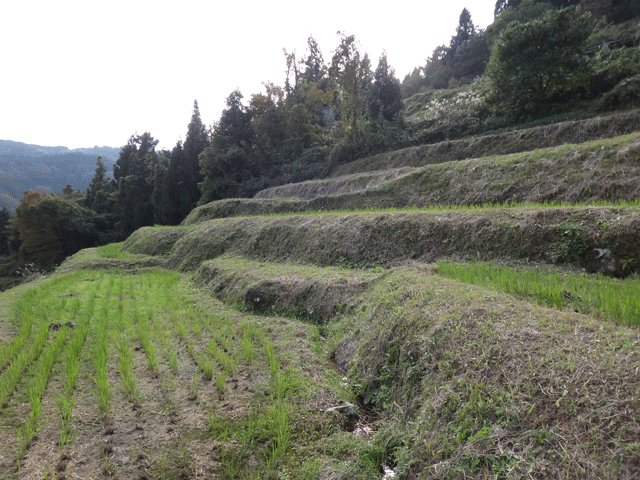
[85, 73]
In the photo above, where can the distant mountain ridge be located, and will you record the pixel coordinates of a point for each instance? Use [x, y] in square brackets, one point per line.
[25, 166]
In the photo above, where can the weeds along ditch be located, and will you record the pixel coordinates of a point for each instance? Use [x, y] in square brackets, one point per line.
[100, 355]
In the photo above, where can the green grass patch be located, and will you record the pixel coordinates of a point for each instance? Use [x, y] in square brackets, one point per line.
[113, 250]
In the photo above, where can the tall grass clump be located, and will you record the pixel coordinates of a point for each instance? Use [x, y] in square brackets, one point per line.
[618, 299]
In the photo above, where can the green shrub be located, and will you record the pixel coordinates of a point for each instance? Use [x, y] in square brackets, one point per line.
[625, 95]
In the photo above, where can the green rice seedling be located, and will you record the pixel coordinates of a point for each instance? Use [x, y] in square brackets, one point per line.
[42, 371]
[194, 386]
[73, 354]
[279, 431]
[247, 347]
[65, 405]
[274, 363]
[218, 429]
[205, 364]
[220, 379]
[182, 331]
[148, 346]
[173, 362]
[252, 428]
[125, 361]
[167, 386]
[207, 367]
[100, 378]
[104, 392]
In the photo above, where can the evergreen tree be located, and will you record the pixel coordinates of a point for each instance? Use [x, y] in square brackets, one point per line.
[386, 98]
[351, 71]
[197, 140]
[134, 173]
[234, 127]
[471, 58]
[315, 69]
[464, 31]
[412, 83]
[226, 163]
[502, 5]
[98, 196]
[5, 216]
[177, 188]
[161, 198]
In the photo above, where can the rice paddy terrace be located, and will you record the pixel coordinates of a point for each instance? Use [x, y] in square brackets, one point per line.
[480, 315]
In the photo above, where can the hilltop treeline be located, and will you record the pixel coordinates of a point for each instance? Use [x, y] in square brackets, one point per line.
[538, 58]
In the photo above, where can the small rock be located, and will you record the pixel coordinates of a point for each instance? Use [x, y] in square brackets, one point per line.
[345, 409]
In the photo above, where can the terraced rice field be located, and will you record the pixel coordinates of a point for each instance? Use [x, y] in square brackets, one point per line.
[136, 375]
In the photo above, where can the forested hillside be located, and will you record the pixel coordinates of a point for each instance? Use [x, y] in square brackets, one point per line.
[34, 167]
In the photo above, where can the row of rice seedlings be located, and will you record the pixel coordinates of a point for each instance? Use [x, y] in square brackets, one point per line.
[125, 363]
[101, 354]
[251, 334]
[10, 351]
[619, 299]
[72, 365]
[12, 374]
[147, 345]
[226, 362]
[163, 336]
[42, 373]
[279, 412]
[202, 360]
[247, 347]
[635, 203]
